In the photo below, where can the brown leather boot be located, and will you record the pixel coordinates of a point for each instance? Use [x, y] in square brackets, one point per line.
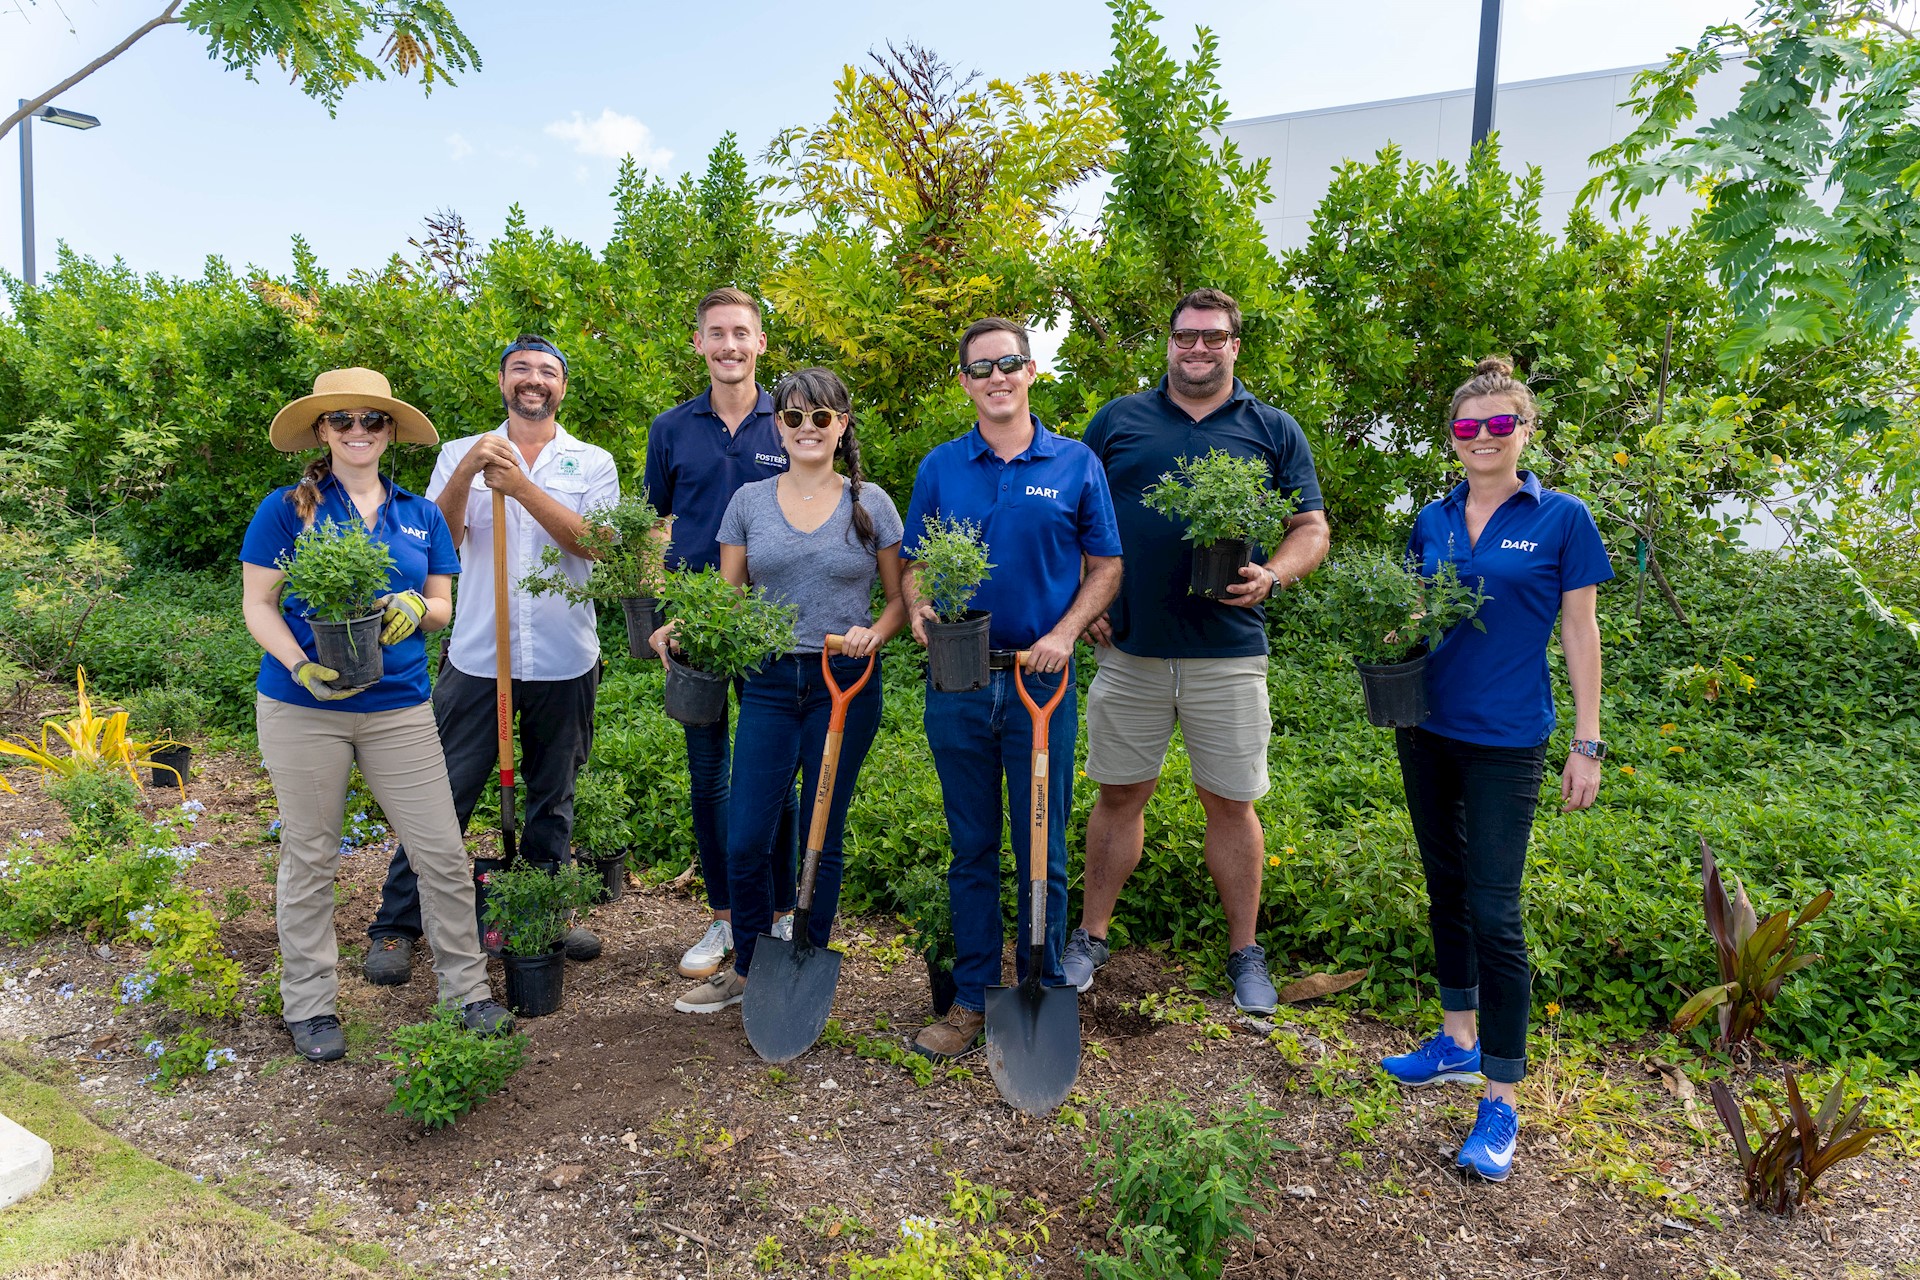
[959, 1033]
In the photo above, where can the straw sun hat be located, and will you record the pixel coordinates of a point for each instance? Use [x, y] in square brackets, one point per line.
[292, 428]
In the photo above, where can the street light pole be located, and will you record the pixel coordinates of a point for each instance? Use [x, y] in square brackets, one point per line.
[52, 115]
[1487, 76]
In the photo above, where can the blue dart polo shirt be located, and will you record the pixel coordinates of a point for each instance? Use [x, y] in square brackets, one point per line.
[694, 465]
[1492, 687]
[416, 534]
[1039, 512]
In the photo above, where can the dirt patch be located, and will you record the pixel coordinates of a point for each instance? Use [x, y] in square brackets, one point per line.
[641, 1141]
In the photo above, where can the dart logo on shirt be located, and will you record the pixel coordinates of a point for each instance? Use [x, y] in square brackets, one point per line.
[1514, 544]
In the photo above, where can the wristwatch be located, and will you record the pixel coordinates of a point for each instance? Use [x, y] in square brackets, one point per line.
[1590, 747]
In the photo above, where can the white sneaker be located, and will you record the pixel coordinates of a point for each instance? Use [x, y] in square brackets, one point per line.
[783, 928]
[703, 958]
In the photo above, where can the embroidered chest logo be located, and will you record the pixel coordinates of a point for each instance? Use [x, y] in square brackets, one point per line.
[771, 459]
[410, 531]
[1035, 491]
[568, 466]
[1514, 544]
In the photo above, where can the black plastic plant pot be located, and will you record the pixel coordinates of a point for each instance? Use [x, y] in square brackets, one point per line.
[692, 696]
[613, 877]
[534, 982]
[643, 619]
[1396, 692]
[1217, 565]
[351, 648]
[170, 766]
[940, 982]
[957, 653]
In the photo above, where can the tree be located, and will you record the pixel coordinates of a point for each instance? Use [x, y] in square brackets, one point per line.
[316, 42]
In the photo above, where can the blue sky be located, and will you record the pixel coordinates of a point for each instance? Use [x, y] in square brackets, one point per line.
[193, 160]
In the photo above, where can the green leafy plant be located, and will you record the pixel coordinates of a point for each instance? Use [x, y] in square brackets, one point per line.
[628, 561]
[95, 743]
[950, 563]
[1781, 1158]
[722, 629]
[441, 1070]
[1384, 611]
[603, 817]
[171, 711]
[531, 906]
[336, 570]
[106, 805]
[1221, 497]
[191, 1054]
[926, 908]
[1756, 958]
[930, 1250]
[1182, 1187]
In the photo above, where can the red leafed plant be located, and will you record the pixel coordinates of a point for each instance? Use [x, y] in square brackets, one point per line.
[1756, 957]
[1799, 1142]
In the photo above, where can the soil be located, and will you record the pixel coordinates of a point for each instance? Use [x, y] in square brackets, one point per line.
[636, 1140]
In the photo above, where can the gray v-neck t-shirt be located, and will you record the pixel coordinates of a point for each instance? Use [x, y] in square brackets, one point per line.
[827, 574]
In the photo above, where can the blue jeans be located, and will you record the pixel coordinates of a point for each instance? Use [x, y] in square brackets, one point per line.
[981, 741]
[1472, 811]
[708, 749]
[784, 710]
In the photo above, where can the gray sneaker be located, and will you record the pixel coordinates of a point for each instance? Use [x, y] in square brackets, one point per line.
[487, 1017]
[318, 1039]
[1252, 986]
[1083, 954]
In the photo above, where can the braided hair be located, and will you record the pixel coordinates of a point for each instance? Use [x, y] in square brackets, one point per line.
[817, 387]
[306, 495]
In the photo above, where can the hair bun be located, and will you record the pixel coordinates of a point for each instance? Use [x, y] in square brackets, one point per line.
[1495, 364]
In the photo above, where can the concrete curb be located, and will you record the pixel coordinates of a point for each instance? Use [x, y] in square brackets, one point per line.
[26, 1162]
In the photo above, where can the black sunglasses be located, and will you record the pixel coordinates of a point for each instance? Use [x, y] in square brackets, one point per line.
[374, 421]
[1214, 338]
[792, 418]
[978, 369]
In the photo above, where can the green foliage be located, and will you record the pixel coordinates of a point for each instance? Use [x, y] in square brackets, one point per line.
[191, 1054]
[336, 570]
[90, 882]
[102, 805]
[931, 1251]
[1380, 607]
[57, 590]
[441, 1070]
[950, 564]
[722, 629]
[1781, 1161]
[603, 816]
[1221, 497]
[926, 908]
[627, 562]
[174, 711]
[531, 906]
[1756, 958]
[1181, 1186]
[190, 968]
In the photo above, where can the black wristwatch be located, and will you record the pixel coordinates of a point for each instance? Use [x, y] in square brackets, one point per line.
[1589, 747]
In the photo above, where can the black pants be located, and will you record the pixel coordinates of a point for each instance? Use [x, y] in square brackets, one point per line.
[556, 734]
[1472, 810]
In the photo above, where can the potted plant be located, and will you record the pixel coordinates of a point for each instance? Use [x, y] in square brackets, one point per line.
[603, 827]
[171, 714]
[338, 572]
[1392, 618]
[530, 903]
[927, 912]
[1230, 506]
[721, 632]
[629, 563]
[949, 565]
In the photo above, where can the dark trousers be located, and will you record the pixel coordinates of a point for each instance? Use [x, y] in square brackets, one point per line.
[1472, 811]
[709, 751]
[556, 734]
[783, 728]
[983, 741]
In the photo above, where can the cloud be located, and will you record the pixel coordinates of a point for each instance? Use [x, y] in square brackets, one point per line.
[458, 147]
[612, 136]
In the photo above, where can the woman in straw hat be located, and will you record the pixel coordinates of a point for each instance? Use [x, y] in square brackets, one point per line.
[311, 732]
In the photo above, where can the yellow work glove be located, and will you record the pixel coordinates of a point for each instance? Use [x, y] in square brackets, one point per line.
[400, 615]
[313, 677]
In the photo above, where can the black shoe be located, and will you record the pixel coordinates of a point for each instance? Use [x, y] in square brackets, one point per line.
[581, 944]
[487, 1018]
[319, 1039]
[390, 962]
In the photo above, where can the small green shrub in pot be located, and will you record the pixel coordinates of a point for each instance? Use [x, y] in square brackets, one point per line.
[172, 711]
[1385, 612]
[724, 630]
[1229, 506]
[629, 566]
[602, 814]
[950, 564]
[531, 905]
[338, 572]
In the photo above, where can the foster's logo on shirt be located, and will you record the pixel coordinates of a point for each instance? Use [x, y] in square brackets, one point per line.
[771, 459]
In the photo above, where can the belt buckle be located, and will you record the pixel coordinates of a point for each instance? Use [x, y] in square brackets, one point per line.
[1002, 659]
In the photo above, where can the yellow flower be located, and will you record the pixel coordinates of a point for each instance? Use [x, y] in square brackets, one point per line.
[1286, 848]
[1621, 457]
[1676, 751]
[1272, 861]
[1553, 1009]
[1627, 769]
[1666, 729]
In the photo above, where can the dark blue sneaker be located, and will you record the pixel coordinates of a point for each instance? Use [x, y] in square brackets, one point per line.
[1438, 1061]
[1488, 1150]
[1252, 985]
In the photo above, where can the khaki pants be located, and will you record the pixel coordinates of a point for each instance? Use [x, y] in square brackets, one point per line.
[308, 753]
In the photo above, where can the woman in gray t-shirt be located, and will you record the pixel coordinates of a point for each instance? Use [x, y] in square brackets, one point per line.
[814, 537]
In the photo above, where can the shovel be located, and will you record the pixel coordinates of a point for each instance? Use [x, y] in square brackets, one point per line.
[1033, 1032]
[503, 702]
[790, 991]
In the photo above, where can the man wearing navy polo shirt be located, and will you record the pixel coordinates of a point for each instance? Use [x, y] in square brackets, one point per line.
[1170, 657]
[1041, 502]
[698, 454]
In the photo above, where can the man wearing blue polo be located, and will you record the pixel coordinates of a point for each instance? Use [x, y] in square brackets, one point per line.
[1170, 657]
[698, 454]
[1041, 502]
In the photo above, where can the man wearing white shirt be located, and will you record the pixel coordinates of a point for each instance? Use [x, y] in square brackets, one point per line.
[551, 479]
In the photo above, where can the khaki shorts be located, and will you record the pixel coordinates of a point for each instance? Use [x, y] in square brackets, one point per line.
[1220, 705]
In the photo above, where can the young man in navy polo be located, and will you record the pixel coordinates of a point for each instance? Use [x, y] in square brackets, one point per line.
[1041, 502]
[1170, 657]
[698, 454]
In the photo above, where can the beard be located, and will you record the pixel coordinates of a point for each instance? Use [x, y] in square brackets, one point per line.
[1197, 388]
[538, 413]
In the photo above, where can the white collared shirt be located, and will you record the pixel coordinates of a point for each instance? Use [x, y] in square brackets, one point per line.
[550, 639]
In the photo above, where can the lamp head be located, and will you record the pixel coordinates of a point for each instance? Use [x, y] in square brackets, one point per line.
[70, 119]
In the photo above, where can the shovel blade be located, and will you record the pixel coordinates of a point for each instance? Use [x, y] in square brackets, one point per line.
[1033, 1045]
[789, 997]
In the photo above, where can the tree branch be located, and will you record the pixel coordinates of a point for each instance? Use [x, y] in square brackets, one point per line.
[166, 18]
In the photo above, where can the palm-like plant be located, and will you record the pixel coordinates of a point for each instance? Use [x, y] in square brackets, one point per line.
[1756, 957]
[94, 743]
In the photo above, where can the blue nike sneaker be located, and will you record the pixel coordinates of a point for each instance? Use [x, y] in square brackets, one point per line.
[1488, 1150]
[1438, 1061]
